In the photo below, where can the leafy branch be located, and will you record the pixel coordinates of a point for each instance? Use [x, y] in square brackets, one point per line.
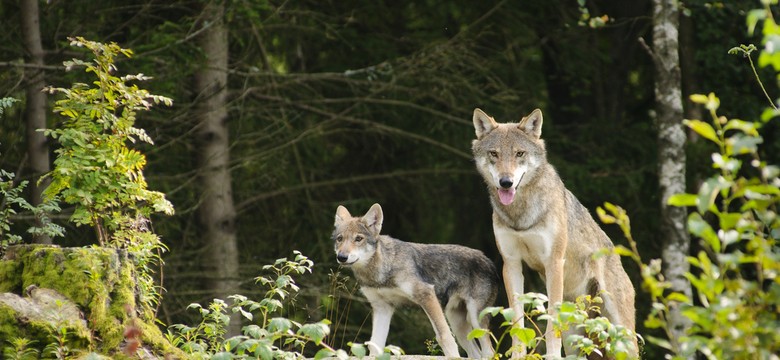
[95, 169]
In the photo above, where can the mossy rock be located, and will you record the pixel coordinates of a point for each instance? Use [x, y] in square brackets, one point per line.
[98, 282]
[39, 314]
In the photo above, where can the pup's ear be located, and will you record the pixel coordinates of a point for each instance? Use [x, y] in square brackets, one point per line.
[373, 218]
[342, 214]
[483, 123]
[532, 124]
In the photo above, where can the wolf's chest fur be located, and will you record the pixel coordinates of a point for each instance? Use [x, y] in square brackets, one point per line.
[395, 296]
[533, 246]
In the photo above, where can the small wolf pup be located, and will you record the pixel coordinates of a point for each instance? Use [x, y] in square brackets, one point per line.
[538, 221]
[442, 279]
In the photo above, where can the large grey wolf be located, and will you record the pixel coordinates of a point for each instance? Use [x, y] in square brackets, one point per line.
[538, 221]
[391, 272]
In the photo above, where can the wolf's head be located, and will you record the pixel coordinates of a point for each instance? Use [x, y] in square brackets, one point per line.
[508, 154]
[355, 238]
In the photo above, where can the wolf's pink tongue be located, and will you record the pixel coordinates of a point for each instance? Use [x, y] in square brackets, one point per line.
[506, 196]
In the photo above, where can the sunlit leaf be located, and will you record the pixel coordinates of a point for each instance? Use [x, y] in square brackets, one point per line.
[477, 333]
[704, 129]
[682, 200]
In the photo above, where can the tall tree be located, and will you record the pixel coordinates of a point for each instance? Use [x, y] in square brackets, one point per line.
[216, 212]
[35, 109]
[671, 156]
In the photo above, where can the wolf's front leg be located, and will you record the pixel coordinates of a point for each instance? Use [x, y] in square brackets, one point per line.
[509, 243]
[554, 281]
[380, 326]
[514, 283]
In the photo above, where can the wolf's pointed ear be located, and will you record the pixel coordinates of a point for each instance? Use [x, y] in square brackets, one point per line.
[342, 214]
[483, 123]
[532, 124]
[373, 218]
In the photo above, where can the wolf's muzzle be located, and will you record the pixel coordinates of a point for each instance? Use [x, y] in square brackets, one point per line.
[342, 258]
[505, 182]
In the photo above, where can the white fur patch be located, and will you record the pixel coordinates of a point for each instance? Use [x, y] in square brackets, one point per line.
[390, 295]
[533, 246]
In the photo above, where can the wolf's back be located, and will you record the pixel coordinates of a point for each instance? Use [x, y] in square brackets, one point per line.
[457, 270]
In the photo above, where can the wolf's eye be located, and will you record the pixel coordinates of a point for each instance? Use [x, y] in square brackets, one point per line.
[339, 238]
[358, 238]
[493, 153]
[520, 154]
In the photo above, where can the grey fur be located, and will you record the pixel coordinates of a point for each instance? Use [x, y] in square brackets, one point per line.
[538, 221]
[443, 279]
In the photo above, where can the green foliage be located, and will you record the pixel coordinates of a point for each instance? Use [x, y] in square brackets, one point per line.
[5, 103]
[433, 347]
[11, 196]
[734, 216]
[587, 20]
[20, 349]
[735, 276]
[269, 334]
[95, 170]
[736, 219]
[58, 349]
[588, 333]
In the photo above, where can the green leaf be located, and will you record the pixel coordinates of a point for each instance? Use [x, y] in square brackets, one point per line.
[324, 354]
[279, 324]
[623, 251]
[678, 297]
[509, 314]
[769, 114]
[698, 98]
[359, 350]
[660, 342]
[265, 351]
[682, 200]
[477, 333]
[527, 336]
[316, 332]
[697, 226]
[729, 220]
[764, 189]
[246, 314]
[606, 219]
[704, 129]
[752, 19]
[222, 356]
[707, 194]
[568, 307]
[743, 144]
[653, 323]
[746, 127]
[492, 310]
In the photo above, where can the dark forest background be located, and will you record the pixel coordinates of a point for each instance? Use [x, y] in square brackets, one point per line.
[357, 102]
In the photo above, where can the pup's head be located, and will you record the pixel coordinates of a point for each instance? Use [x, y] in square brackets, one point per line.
[355, 238]
[507, 154]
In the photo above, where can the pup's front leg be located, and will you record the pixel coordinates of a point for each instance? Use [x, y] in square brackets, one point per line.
[380, 326]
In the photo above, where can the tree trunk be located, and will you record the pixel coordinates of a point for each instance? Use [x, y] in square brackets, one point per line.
[35, 109]
[216, 213]
[690, 79]
[671, 157]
